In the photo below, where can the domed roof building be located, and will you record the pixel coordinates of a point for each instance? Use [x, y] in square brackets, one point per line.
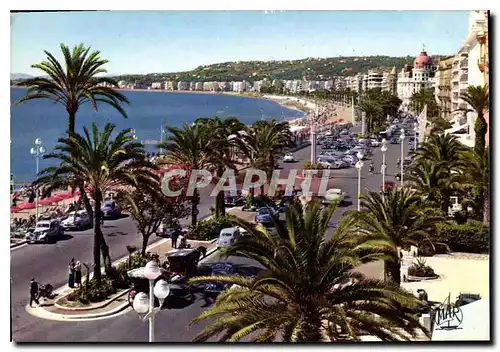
[412, 79]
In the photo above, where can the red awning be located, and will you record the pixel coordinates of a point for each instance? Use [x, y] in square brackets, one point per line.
[26, 205]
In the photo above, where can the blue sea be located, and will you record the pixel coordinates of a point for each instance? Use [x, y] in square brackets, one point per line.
[147, 112]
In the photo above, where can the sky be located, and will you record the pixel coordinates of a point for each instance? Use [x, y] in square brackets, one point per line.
[172, 41]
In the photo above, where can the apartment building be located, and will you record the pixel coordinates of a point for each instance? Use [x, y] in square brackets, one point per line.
[442, 88]
[390, 81]
[156, 85]
[374, 79]
[170, 85]
[182, 85]
[198, 86]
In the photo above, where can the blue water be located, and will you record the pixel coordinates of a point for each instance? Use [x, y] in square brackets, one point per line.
[146, 113]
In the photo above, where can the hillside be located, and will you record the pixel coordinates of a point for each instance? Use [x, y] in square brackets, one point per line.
[310, 69]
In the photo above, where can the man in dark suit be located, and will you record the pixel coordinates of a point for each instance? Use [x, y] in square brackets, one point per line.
[33, 292]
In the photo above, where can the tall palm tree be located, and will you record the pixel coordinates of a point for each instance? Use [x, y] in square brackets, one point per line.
[103, 163]
[263, 143]
[222, 154]
[401, 217]
[191, 146]
[309, 290]
[444, 148]
[422, 98]
[76, 83]
[478, 98]
[475, 176]
[373, 111]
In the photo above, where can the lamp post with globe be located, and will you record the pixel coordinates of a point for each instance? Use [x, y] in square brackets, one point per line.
[402, 138]
[144, 304]
[384, 150]
[415, 129]
[359, 166]
[37, 151]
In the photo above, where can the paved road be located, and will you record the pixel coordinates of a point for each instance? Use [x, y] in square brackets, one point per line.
[172, 325]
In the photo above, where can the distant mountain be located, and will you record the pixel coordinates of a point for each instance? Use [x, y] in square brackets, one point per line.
[17, 76]
[308, 68]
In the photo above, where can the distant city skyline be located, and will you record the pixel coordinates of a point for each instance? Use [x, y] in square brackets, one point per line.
[172, 41]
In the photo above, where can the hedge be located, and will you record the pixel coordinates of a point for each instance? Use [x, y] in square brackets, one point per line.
[209, 229]
[471, 237]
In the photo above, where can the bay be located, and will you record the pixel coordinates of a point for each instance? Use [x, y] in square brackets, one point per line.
[147, 112]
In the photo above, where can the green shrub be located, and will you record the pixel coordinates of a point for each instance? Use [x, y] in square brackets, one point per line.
[209, 229]
[471, 237]
[308, 165]
[92, 292]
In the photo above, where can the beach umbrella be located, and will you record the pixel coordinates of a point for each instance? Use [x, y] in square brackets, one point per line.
[58, 197]
[14, 209]
[26, 205]
[46, 201]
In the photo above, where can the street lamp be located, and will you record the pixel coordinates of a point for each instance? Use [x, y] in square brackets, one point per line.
[37, 151]
[162, 131]
[383, 149]
[402, 138]
[359, 166]
[415, 129]
[144, 304]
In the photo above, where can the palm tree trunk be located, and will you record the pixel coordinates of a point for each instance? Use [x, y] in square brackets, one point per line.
[145, 240]
[311, 330]
[393, 270]
[486, 207]
[71, 122]
[194, 207]
[102, 241]
[480, 128]
[220, 208]
[97, 240]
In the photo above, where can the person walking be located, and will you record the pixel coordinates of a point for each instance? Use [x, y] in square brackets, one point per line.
[71, 273]
[175, 236]
[33, 292]
[78, 274]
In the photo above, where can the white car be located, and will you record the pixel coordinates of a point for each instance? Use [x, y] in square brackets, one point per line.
[330, 164]
[334, 195]
[228, 236]
[77, 220]
[375, 143]
[288, 158]
[46, 231]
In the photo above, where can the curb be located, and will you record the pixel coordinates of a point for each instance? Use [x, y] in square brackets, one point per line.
[98, 315]
[97, 306]
[17, 244]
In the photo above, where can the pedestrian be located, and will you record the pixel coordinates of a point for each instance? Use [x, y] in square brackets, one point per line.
[71, 273]
[175, 236]
[78, 274]
[33, 292]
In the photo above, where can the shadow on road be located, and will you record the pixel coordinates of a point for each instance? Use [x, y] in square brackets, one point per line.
[117, 233]
[64, 237]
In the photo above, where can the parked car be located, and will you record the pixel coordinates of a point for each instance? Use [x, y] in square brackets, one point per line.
[77, 220]
[288, 158]
[264, 216]
[213, 289]
[110, 210]
[46, 231]
[334, 164]
[374, 142]
[228, 236]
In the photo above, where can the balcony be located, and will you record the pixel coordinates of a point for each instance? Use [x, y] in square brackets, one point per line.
[464, 77]
[464, 63]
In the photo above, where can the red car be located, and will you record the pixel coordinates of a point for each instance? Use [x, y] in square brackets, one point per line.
[388, 185]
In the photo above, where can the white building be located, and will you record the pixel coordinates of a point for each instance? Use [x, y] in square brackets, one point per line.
[466, 71]
[198, 86]
[241, 86]
[374, 79]
[412, 79]
[156, 85]
[182, 85]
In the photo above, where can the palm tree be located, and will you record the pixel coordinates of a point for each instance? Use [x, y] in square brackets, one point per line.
[475, 176]
[221, 132]
[401, 217]
[422, 98]
[263, 143]
[478, 98]
[103, 164]
[309, 289]
[373, 111]
[191, 146]
[75, 84]
[444, 148]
